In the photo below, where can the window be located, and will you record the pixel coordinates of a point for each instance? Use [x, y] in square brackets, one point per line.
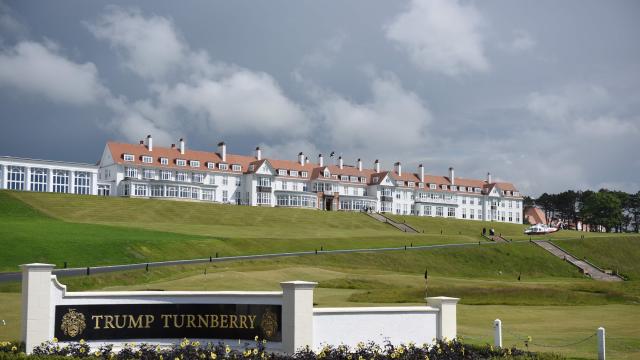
[326, 173]
[140, 190]
[198, 178]
[443, 187]
[510, 204]
[451, 212]
[147, 159]
[265, 181]
[172, 191]
[293, 172]
[104, 190]
[479, 214]
[207, 195]
[518, 218]
[236, 167]
[264, 198]
[510, 216]
[166, 175]
[15, 177]
[472, 213]
[304, 174]
[131, 172]
[464, 213]
[60, 181]
[185, 192]
[476, 190]
[464, 199]
[225, 196]
[433, 186]
[282, 172]
[344, 178]
[164, 161]
[195, 193]
[400, 183]
[439, 211]
[82, 183]
[194, 163]
[181, 162]
[225, 180]
[411, 184]
[211, 165]
[454, 187]
[375, 179]
[427, 210]
[223, 166]
[363, 180]
[39, 179]
[128, 157]
[148, 174]
[238, 181]
[157, 190]
[182, 176]
[353, 179]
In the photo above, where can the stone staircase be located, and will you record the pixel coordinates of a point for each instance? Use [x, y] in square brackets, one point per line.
[400, 226]
[585, 266]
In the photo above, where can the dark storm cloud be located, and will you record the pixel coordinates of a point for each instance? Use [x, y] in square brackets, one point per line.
[536, 93]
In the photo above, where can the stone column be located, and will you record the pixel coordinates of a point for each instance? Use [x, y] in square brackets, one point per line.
[36, 304]
[297, 315]
[447, 319]
[27, 178]
[49, 180]
[3, 179]
[72, 182]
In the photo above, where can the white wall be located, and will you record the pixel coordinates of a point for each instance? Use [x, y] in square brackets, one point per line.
[335, 326]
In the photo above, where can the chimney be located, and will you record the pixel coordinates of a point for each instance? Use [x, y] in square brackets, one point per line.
[222, 150]
[149, 143]
[301, 158]
[182, 146]
[306, 160]
[488, 178]
[452, 176]
[399, 168]
[320, 160]
[340, 162]
[421, 168]
[258, 153]
[376, 165]
[359, 165]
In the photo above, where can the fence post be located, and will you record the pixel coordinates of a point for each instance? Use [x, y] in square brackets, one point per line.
[497, 333]
[601, 345]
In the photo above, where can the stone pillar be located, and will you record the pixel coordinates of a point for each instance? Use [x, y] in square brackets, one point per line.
[94, 184]
[72, 182]
[601, 344]
[49, 180]
[36, 304]
[447, 320]
[297, 315]
[3, 178]
[27, 178]
[497, 333]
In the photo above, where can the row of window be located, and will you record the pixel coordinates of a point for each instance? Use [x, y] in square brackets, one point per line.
[183, 162]
[357, 204]
[294, 200]
[294, 173]
[183, 192]
[39, 180]
[183, 176]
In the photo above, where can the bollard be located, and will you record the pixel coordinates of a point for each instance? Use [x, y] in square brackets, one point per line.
[601, 344]
[146, 268]
[65, 264]
[210, 258]
[316, 251]
[88, 271]
[405, 247]
[497, 333]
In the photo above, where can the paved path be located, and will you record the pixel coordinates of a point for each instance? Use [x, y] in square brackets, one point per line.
[587, 268]
[400, 226]
[16, 276]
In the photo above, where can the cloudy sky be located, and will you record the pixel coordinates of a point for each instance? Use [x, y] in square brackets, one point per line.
[544, 94]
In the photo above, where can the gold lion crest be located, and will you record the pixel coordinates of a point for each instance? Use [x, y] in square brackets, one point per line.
[269, 324]
[73, 323]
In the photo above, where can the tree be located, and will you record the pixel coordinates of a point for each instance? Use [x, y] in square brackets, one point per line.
[602, 208]
[633, 208]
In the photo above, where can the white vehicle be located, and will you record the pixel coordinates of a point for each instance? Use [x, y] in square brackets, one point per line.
[540, 229]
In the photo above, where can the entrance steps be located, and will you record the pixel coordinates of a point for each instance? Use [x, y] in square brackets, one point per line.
[585, 266]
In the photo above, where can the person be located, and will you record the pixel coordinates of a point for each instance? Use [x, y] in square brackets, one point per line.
[492, 232]
[484, 231]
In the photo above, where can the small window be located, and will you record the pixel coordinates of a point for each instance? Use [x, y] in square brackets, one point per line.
[293, 172]
[223, 166]
[327, 174]
[251, 167]
[443, 187]
[454, 188]
[211, 165]
[334, 177]
[477, 190]
[354, 179]
[194, 163]
[344, 178]
[411, 184]
[363, 180]
[282, 172]
[400, 183]
[304, 174]
[181, 162]
[128, 157]
[236, 167]
[433, 186]
[376, 179]
[147, 159]
[164, 161]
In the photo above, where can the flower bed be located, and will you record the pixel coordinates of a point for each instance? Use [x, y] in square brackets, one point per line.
[187, 350]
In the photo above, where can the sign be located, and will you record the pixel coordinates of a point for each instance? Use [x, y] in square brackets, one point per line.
[167, 321]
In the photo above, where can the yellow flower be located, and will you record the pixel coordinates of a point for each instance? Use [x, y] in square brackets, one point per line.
[55, 339]
[202, 356]
[349, 357]
[264, 341]
[161, 357]
[177, 358]
[227, 349]
[81, 350]
[196, 343]
[14, 348]
[255, 351]
[213, 356]
[256, 338]
[96, 353]
[360, 357]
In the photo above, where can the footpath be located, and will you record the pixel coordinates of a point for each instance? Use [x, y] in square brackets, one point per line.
[585, 266]
[400, 226]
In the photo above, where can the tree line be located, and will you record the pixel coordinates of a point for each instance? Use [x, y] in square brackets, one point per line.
[613, 210]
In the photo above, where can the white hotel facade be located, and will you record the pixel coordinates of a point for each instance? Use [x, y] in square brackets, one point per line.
[145, 171]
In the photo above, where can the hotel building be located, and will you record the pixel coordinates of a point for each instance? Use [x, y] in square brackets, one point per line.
[146, 171]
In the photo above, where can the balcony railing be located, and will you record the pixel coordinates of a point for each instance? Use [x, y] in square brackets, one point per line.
[260, 188]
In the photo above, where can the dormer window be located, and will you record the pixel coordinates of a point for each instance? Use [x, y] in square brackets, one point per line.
[236, 167]
[327, 174]
[354, 179]
[223, 166]
[335, 177]
[147, 159]
[211, 165]
[376, 179]
[477, 190]
[128, 157]
[400, 183]
[443, 187]
[433, 186]
[164, 161]
[304, 174]
[282, 172]
[515, 193]
[344, 178]
[420, 185]
[411, 184]
[194, 163]
[293, 172]
[181, 162]
[363, 180]
[454, 187]
[252, 167]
